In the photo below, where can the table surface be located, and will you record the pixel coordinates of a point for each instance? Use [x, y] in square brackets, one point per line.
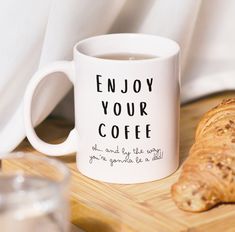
[148, 207]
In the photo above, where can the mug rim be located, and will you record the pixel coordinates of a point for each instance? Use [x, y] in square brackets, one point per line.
[175, 47]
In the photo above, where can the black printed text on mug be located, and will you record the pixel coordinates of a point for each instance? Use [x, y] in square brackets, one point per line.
[130, 108]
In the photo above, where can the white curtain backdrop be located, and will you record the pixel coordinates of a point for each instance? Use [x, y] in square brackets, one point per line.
[35, 33]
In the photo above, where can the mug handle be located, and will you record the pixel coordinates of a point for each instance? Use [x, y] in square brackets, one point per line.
[70, 144]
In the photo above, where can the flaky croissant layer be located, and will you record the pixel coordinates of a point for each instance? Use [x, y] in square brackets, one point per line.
[208, 174]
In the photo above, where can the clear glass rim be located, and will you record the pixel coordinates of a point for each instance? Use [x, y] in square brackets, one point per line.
[42, 192]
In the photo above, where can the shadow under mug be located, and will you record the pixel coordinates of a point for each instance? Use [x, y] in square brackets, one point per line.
[126, 111]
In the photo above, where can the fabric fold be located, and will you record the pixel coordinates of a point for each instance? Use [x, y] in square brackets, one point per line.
[57, 25]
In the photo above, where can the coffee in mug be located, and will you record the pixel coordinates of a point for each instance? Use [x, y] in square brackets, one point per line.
[126, 56]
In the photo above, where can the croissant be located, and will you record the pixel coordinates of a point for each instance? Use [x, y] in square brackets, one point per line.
[208, 174]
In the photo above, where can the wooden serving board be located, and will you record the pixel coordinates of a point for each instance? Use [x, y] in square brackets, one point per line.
[102, 207]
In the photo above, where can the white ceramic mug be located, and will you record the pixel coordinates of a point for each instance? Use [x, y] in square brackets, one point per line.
[126, 111]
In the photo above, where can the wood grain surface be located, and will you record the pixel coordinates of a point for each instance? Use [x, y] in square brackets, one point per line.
[102, 207]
